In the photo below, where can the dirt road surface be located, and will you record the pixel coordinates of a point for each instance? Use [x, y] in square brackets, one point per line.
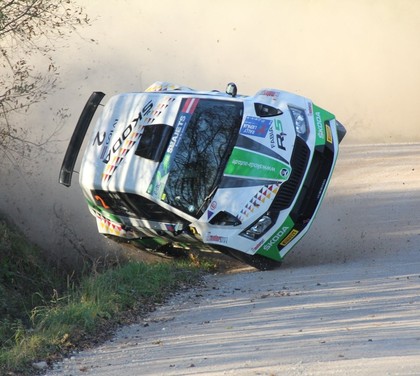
[345, 301]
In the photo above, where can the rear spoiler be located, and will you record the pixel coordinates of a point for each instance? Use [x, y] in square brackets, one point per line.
[78, 136]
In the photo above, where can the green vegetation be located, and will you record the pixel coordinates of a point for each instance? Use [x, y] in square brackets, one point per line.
[43, 314]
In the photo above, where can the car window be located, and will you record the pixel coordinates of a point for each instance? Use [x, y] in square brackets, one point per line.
[201, 154]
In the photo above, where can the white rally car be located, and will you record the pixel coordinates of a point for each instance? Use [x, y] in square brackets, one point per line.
[242, 174]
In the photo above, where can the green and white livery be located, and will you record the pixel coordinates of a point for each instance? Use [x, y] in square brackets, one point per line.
[242, 174]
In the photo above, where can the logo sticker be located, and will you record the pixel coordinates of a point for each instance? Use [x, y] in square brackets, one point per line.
[157, 186]
[289, 237]
[254, 126]
[254, 165]
[319, 126]
[328, 132]
[323, 131]
[216, 238]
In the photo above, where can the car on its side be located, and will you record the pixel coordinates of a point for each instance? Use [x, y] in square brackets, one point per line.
[242, 174]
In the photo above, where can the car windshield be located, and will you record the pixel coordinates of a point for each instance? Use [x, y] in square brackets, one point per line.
[209, 131]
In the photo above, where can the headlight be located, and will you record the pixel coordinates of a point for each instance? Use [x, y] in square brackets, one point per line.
[300, 122]
[258, 228]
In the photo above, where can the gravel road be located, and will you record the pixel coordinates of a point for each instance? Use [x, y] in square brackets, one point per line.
[345, 301]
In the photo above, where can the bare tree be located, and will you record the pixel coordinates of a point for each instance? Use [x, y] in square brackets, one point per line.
[29, 29]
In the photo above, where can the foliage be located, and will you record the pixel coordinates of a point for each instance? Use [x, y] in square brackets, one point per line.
[21, 270]
[29, 31]
[44, 315]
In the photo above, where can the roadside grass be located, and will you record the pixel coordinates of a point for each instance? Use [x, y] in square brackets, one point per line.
[43, 316]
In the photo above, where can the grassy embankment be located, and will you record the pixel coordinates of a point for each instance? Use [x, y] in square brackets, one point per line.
[44, 313]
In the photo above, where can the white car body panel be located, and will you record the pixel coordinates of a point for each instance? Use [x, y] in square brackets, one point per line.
[120, 179]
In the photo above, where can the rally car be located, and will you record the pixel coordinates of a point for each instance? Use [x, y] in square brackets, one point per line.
[244, 175]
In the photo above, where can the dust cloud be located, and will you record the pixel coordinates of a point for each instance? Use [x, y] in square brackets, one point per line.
[357, 59]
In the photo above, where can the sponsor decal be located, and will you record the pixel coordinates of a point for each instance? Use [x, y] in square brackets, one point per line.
[321, 119]
[276, 238]
[289, 237]
[254, 165]
[106, 226]
[109, 226]
[190, 105]
[255, 126]
[216, 238]
[271, 135]
[278, 125]
[179, 128]
[213, 205]
[121, 141]
[270, 247]
[309, 108]
[158, 110]
[120, 149]
[145, 111]
[277, 138]
[147, 115]
[270, 93]
[280, 140]
[258, 245]
[124, 143]
[319, 126]
[324, 182]
[266, 193]
[328, 132]
[157, 186]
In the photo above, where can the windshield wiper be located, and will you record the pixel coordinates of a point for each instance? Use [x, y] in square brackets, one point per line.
[206, 199]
